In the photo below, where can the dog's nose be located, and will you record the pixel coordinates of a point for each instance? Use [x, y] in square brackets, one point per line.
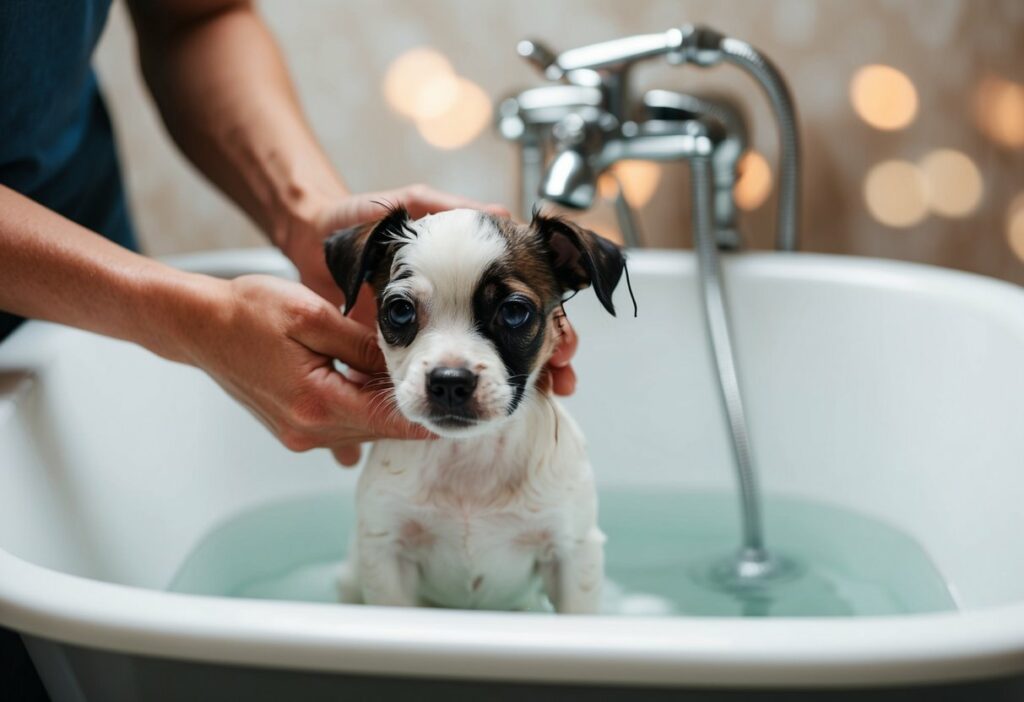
[450, 387]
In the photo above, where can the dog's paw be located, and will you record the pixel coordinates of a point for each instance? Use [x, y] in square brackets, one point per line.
[347, 582]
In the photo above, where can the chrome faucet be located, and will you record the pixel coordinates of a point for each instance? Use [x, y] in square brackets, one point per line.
[598, 76]
[670, 128]
[590, 124]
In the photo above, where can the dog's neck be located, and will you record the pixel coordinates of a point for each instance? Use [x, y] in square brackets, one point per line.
[489, 469]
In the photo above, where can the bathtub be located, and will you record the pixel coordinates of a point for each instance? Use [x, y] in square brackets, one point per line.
[893, 390]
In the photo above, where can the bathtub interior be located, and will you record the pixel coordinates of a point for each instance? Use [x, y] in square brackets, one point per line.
[891, 391]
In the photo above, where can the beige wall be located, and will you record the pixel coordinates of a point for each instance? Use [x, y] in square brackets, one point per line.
[339, 52]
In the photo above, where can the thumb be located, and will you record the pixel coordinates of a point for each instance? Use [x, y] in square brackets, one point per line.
[337, 336]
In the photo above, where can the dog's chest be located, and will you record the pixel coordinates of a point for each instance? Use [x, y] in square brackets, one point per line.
[477, 530]
[479, 559]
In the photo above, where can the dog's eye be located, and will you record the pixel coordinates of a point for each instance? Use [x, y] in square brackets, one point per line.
[514, 314]
[401, 313]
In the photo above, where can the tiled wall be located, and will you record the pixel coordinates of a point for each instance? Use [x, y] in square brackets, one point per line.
[963, 61]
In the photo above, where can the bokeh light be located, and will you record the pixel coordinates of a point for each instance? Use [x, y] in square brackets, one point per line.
[1015, 226]
[999, 111]
[952, 181]
[755, 181]
[421, 84]
[607, 186]
[896, 194]
[464, 120]
[883, 96]
[639, 180]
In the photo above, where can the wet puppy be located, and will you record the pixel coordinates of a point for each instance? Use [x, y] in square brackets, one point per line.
[501, 509]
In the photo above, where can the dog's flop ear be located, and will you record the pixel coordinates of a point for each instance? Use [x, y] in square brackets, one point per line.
[581, 258]
[355, 254]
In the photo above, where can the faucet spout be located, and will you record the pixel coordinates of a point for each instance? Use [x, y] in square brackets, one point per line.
[570, 181]
[586, 149]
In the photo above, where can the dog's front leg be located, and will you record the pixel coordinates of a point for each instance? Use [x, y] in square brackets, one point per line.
[573, 580]
[387, 578]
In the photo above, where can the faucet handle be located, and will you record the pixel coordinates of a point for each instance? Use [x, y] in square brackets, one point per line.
[605, 65]
[543, 59]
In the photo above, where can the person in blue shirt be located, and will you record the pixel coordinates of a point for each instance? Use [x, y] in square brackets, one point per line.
[68, 253]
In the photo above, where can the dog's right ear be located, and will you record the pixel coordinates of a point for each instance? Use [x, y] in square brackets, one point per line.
[355, 254]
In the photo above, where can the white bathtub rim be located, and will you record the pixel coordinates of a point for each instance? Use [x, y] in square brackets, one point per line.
[766, 264]
[266, 259]
[869, 651]
[982, 294]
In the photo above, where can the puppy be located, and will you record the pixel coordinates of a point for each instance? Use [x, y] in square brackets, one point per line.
[501, 509]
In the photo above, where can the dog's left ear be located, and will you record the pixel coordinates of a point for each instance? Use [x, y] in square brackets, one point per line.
[354, 254]
[581, 258]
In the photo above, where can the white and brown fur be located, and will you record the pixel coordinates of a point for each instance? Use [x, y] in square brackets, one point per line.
[501, 508]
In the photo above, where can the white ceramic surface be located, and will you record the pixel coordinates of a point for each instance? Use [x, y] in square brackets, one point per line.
[891, 389]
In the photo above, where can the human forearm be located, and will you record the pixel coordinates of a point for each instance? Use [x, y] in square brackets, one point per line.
[224, 92]
[54, 269]
[269, 342]
[226, 98]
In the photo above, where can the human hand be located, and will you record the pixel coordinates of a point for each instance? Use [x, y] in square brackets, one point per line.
[272, 343]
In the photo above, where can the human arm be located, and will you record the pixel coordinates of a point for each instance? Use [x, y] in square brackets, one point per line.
[269, 342]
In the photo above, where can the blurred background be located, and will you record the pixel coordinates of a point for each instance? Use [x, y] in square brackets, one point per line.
[912, 116]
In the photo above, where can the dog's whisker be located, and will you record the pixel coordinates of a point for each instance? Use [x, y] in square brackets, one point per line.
[381, 402]
[378, 382]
